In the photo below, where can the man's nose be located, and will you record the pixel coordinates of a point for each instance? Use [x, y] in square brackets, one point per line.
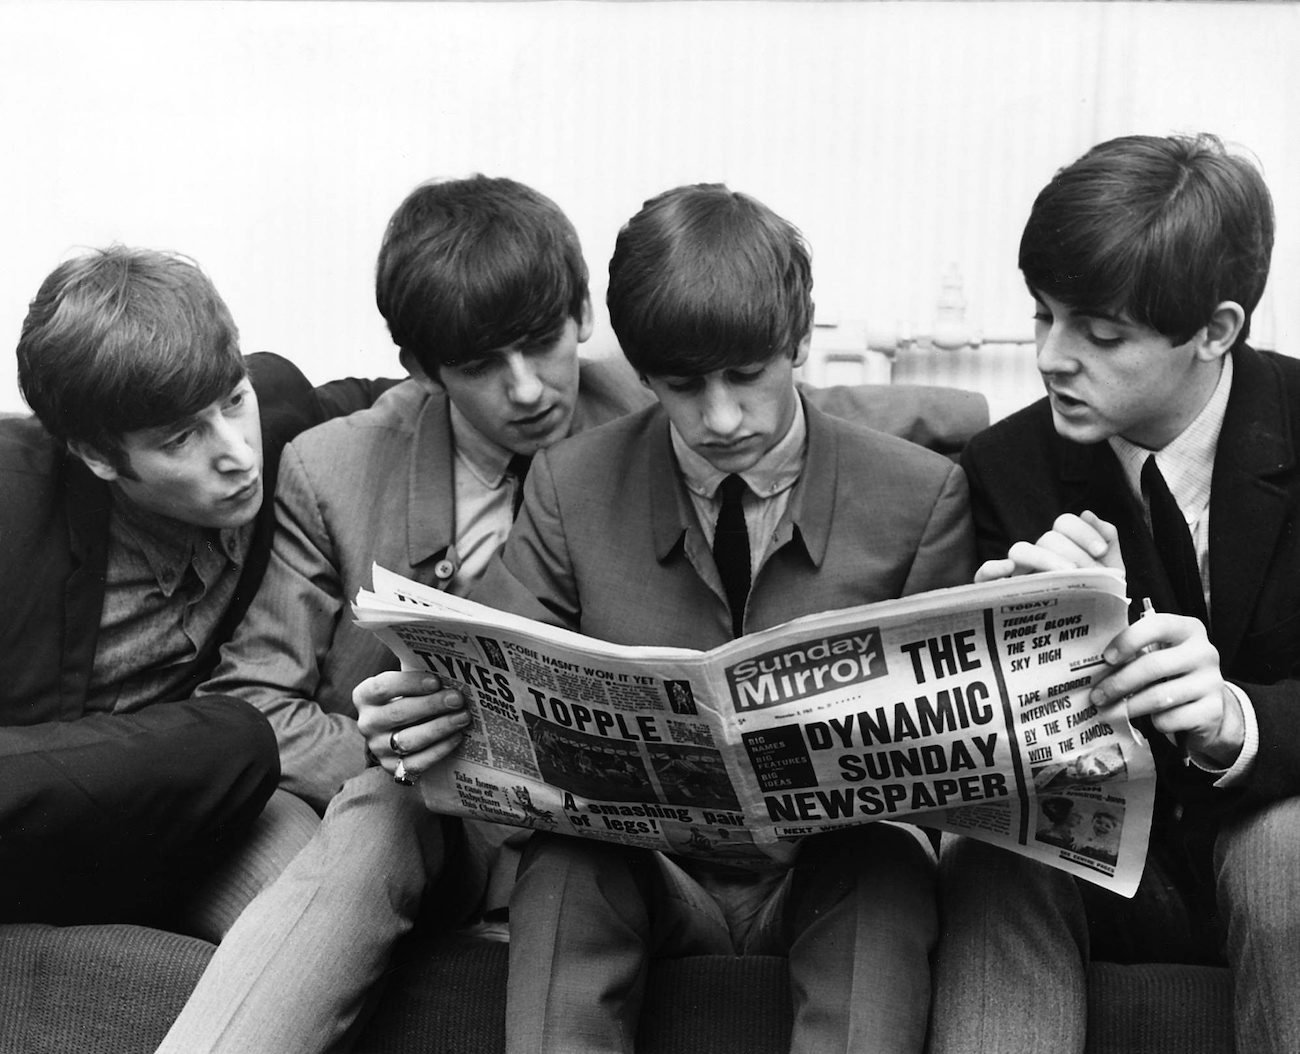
[722, 413]
[1052, 354]
[234, 447]
[523, 385]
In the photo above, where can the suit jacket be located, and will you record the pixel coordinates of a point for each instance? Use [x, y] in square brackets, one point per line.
[54, 548]
[376, 487]
[1023, 475]
[608, 544]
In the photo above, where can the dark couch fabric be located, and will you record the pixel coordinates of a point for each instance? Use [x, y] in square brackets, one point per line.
[116, 989]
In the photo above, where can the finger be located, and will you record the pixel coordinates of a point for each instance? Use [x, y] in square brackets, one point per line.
[407, 710]
[382, 687]
[1083, 532]
[418, 763]
[992, 570]
[1161, 681]
[1190, 697]
[1107, 530]
[414, 739]
[1071, 552]
[1029, 557]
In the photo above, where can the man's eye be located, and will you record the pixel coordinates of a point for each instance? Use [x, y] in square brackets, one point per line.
[178, 440]
[1103, 342]
[474, 368]
[748, 376]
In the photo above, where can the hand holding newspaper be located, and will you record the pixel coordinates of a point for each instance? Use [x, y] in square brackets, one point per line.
[963, 709]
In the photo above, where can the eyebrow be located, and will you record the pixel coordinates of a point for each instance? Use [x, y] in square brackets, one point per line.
[1103, 316]
[161, 433]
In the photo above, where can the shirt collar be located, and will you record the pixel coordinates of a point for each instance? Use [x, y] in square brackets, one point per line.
[1186, 462]
[776, 471]
[170, 546]
[486, 459]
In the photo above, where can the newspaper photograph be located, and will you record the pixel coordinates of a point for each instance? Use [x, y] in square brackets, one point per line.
[962, 709]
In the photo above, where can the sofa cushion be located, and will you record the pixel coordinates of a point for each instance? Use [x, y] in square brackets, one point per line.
[116, 989]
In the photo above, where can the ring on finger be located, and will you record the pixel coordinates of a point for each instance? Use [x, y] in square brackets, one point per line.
[403, 777]
[392, 742]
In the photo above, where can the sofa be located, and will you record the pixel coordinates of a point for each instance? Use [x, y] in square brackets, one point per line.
[114, 989]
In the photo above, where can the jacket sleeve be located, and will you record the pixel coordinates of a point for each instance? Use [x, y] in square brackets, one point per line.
[275, 659]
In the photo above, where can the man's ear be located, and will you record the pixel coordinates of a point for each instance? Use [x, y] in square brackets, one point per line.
[94, 460]
[802, 349]
[805, 345]
[1218, 337]
[412, 366]
[586, 321]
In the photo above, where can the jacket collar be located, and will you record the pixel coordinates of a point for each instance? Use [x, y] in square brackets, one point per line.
[431, 502]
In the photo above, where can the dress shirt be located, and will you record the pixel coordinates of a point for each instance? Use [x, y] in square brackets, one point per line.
[485, 494]
[167, 586]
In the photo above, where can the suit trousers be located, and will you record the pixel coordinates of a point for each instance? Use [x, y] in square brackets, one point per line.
[302, 967]
[1017, 937]
[117, 817]
[855, 915]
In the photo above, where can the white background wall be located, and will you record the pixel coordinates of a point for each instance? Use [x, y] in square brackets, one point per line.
[271, 141]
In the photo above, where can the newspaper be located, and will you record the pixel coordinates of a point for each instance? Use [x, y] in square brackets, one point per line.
[962, 709]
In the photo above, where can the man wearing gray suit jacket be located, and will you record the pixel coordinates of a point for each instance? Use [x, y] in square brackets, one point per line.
[484, 289]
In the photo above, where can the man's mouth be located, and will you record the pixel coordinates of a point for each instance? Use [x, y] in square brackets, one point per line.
[244, 493]
[1064, 399]
[533, 420]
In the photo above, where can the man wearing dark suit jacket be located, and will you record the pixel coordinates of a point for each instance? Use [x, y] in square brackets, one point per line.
[1146, 259]
[132, 536]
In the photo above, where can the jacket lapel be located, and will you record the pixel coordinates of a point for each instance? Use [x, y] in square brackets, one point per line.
[431, 500]
[1247, 504]
[812, 502]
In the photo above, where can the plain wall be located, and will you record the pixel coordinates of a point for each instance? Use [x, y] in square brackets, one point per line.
[270, 141]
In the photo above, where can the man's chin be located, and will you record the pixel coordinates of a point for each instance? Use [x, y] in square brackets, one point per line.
[1078, 430]
[530, 443]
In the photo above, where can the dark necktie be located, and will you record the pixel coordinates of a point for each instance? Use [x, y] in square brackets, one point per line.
[517, 470]
[731, 549]
[1173, 543]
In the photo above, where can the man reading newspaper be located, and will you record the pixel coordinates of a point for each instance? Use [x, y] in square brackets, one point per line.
[730, 507]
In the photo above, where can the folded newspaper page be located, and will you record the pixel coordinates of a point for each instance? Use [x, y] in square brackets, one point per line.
[962, 709]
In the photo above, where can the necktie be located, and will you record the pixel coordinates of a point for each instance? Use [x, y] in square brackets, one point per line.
[731, 549]
[517, 470]
[1173, 543]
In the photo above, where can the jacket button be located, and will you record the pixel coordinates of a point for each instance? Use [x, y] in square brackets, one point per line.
[444, 569]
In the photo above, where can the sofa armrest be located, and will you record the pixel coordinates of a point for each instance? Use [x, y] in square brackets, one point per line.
[93, 988]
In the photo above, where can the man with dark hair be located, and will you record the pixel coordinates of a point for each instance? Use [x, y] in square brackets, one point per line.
[734, 505]
[1166, 446]
[484, 289]
[133, 534]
